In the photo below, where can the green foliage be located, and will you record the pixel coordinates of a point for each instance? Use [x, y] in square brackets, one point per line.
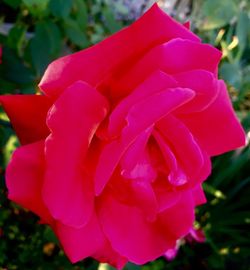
[41, 31]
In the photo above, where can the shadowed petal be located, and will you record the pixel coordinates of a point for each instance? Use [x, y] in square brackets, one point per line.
[27, 114]
[24, 179]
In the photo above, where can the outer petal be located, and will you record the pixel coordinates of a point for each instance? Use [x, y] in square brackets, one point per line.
[106, 254]
[115, 55]
[199, 195]
[162, 103]
[80, 243]
[175, 56]
[73, 120]
[217, 128]
[27, 114]
[139, 240]
[24, 179]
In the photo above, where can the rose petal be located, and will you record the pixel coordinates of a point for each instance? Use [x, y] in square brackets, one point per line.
[80, 243]
[175, 56]
[187, 25]
[115, 54]
[162, 103]
[137, 239]
[24, 179]
[73, 120]
[197, 166]
[217, 128]
[205, 86]
[27, 114]
[199, 195]
[157, 82]
[166, 195]
[135, 153]
[176, 176]
[106, 254]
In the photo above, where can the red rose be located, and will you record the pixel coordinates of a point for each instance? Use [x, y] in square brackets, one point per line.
[115, 151]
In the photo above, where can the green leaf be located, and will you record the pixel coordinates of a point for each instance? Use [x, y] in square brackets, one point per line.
[16, 38]
[14, 69]
[242, 29]
[10, 146]
[75, 33]
[45, 45]
[231, 73]
[37, 8]
[81, 14]
[218, 13]
[112, 24]
[13, 3]
[60, 8]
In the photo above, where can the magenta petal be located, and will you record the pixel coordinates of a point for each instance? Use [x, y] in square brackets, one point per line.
[135, 156]
[163, 103]
[156, 82]
[73, 120]
[166, 196]
[24, 179]
[191, 158]
[144, 198]
[217, 128]
[188, 55]
[139, 240]
[176, 176]
[203, 83]
[199, 195]
[118, 52]
[27, 114]
[80, 243]
[106, 254]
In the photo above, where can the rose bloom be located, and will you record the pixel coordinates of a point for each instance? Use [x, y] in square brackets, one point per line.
[116, 148]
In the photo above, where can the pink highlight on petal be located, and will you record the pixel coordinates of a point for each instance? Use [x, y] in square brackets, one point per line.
[170, 254]
[197, 235]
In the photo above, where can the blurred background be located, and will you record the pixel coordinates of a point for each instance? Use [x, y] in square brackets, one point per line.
[35, 32]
